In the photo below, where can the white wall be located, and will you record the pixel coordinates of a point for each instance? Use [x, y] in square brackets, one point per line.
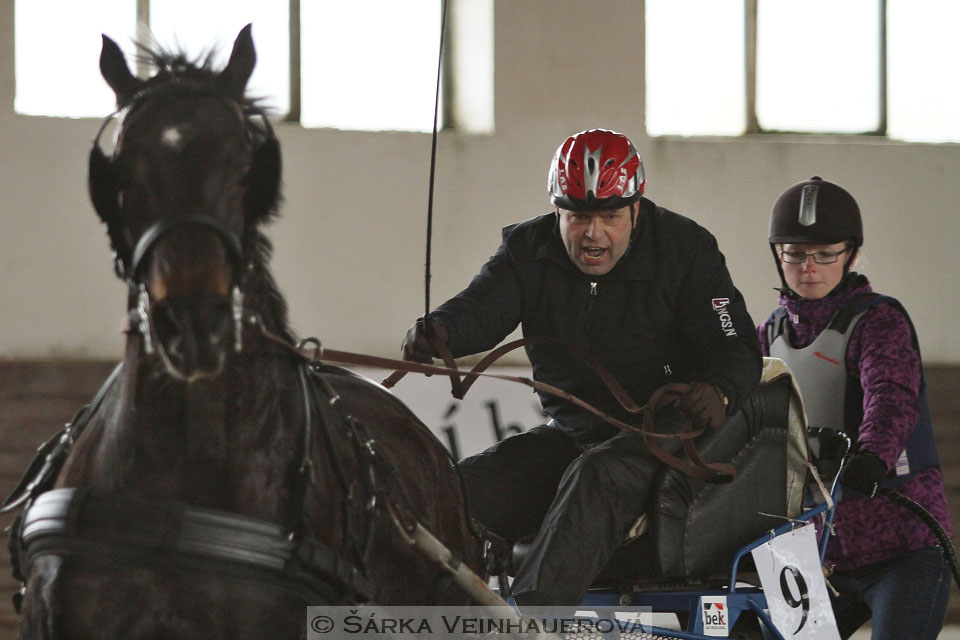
[350, 244]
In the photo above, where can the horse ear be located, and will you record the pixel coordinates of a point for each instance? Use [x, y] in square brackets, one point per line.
[113, 67]
[233, 79]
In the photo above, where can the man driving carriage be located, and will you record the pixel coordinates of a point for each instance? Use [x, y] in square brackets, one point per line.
[643, 290]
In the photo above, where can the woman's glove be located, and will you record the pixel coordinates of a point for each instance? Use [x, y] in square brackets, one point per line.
[863, 473]
[705, 404]
[418, 343]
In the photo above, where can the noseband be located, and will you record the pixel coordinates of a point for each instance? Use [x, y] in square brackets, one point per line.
[140, 315]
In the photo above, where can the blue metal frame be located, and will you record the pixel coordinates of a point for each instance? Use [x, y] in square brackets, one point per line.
[738, 599]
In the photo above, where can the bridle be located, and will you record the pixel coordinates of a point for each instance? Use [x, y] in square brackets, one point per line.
[139, 315]
[105, 192]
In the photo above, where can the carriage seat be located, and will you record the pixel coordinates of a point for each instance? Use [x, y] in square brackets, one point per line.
[693, 528]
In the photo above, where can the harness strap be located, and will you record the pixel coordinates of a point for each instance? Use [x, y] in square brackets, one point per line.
[78, 522]
[50, 457]
[608, 378]
[162, 228]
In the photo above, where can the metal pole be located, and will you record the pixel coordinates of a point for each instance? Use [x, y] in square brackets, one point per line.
[750, 66]
[143, 36]
[293, 114]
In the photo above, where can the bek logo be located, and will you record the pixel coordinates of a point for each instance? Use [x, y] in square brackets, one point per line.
[726, 322]
[714, 610]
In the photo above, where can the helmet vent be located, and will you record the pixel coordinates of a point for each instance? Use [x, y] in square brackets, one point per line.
[808, 205]
[597, 169]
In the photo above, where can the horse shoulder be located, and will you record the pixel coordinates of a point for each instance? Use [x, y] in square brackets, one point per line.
[362, 394]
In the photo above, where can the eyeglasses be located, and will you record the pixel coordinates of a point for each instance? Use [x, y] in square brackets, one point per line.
[820, 257]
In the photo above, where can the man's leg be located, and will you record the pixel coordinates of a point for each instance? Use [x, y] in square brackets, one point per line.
[511, 485]
[600, 496]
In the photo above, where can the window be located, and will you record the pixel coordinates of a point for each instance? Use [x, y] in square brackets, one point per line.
[216, 23]
[690, 93]
[875, 67]
[387, 65]
[364, 64]
[57, 70]
[923, 97]
[818, 66]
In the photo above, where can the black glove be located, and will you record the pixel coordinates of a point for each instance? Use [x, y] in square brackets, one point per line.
[863, 473]
[705, 404]
[418, 342]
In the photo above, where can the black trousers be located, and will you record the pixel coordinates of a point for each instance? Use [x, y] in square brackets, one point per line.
[578, 502]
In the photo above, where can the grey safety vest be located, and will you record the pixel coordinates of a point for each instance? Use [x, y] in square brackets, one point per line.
[832, 395]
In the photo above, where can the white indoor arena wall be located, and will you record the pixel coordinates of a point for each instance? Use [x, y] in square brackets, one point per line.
[350, 243]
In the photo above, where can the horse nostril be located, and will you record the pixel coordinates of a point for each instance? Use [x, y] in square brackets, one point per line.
[170, 329]
[220, 324]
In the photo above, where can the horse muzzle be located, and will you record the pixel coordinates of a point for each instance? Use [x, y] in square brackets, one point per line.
[186, 277]
[194, 334]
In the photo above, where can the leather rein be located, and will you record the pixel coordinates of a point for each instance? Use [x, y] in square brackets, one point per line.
[313, 351]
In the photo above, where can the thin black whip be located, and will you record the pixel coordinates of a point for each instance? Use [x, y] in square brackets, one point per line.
[945, 545]
[433, 164]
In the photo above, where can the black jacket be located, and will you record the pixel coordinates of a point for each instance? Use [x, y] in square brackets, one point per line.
[667, 312]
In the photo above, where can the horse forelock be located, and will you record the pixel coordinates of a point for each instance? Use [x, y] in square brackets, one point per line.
[174, 68]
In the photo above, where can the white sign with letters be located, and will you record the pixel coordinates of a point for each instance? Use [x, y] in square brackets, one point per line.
[793, 583]
[491, 411]
[714, 614]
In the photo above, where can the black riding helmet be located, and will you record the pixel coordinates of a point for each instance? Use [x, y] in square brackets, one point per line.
[815, 212]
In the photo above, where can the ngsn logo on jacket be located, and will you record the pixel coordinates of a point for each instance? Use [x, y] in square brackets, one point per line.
[726, 323]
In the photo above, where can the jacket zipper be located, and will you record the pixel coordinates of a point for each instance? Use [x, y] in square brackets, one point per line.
[589, 327]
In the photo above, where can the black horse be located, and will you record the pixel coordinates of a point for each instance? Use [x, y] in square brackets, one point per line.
[219, 483]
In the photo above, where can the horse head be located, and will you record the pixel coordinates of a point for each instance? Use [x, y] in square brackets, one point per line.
[195, 170]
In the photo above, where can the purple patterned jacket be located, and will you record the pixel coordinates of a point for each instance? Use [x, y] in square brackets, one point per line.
[881, 351]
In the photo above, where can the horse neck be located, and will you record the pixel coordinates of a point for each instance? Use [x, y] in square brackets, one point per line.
[250, 386]
[227, 441]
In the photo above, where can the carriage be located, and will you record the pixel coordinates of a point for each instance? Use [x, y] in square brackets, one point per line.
[223, 478]
[692, 549]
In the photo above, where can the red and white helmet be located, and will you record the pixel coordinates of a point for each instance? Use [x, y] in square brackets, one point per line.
[596, 169]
